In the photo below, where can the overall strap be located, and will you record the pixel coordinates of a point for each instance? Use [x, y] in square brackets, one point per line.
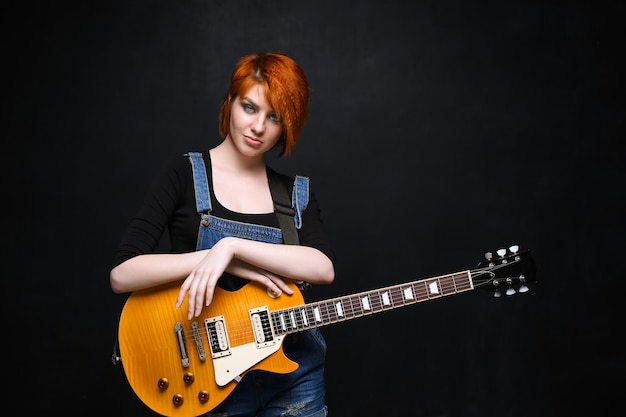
[201, 185]
[283, 208]
[283, 204]
[300, 197]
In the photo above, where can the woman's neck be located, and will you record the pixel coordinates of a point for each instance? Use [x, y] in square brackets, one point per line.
[227, 156]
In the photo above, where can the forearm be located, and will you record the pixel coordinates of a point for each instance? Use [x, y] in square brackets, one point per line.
[149, 270]
[300, 263]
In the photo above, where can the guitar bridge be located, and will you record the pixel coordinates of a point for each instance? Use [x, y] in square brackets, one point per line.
[262, 327]
[218, 337]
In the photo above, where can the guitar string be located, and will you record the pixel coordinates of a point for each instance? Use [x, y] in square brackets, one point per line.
[328, 311]
[240, 331]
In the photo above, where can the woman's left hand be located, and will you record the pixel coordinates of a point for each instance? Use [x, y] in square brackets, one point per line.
[199, 286]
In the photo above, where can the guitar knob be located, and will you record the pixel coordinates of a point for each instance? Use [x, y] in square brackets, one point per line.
[188, 378]
[178, 400]
[203, 396]
[523, 288]
[163, 383]
[488, 256]
[501, 252]
[497, 294]
[514, 248]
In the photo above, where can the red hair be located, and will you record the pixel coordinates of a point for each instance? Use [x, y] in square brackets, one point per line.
[286, 89]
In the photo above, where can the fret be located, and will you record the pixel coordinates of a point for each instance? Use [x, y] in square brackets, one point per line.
[408, 294]
[365, 303]
[297, 318]
[329, 312]
[282, 325]
[431, 288]
[465, 282]
[375, 301]
[344, 308]
[386, 300]
[453, 281]
[339, 309]
[304, 318]
[450, 286]
[356, 304]
[397, 298]
[348, 308]
[351, 309]
[292, 320]
[317, 314]
[421, 291]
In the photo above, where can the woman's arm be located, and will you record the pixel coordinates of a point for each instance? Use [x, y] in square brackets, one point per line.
[267, 263]
[149, 270]
[248, 260]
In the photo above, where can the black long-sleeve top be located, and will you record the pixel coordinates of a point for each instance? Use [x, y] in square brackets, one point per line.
[170, 205]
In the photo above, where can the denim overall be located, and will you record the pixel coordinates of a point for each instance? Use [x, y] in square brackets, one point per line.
[260, 393]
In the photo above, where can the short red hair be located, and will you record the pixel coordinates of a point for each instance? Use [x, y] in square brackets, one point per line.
[286, 89]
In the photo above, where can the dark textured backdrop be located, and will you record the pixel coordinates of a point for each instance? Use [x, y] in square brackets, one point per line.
[438, 130]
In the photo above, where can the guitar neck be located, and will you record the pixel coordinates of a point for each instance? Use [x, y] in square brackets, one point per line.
[321, 313]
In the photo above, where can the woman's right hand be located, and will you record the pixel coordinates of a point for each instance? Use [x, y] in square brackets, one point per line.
[199, 286]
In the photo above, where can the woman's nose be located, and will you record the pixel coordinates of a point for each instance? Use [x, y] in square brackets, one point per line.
[259, 124]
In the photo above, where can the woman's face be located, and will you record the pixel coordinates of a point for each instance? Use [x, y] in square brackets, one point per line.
[254, 126]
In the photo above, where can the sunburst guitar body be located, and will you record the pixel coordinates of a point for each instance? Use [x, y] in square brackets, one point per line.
[181, 367]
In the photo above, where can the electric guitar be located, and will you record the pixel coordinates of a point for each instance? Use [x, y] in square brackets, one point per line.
[184, 368]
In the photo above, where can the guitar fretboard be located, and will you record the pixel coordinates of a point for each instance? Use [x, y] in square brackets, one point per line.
[338, 309]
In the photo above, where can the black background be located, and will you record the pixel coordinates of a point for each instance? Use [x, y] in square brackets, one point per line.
[438, 130]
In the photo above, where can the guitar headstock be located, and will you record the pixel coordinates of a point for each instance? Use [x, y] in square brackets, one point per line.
[506, 269]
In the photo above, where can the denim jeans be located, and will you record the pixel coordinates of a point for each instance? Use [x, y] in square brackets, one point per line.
[299, 393]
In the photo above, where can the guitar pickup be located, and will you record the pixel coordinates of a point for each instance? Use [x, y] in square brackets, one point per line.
[218, 336]
[261, 327]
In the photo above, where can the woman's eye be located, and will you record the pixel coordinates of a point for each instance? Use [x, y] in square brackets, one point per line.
[274, 118]
[248, 108]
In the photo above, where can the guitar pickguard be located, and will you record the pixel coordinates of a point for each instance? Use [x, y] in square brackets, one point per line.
[241, 359]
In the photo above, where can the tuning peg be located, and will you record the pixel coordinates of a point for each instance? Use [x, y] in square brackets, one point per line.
[501, 252]
[510, 290]
[488, 256]
[523, 287]
[496, 292]
[514, 248]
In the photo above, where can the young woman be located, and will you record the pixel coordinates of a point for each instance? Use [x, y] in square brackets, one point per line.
[229, 234]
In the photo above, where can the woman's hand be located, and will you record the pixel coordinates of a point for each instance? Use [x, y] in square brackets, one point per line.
[199, 286]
